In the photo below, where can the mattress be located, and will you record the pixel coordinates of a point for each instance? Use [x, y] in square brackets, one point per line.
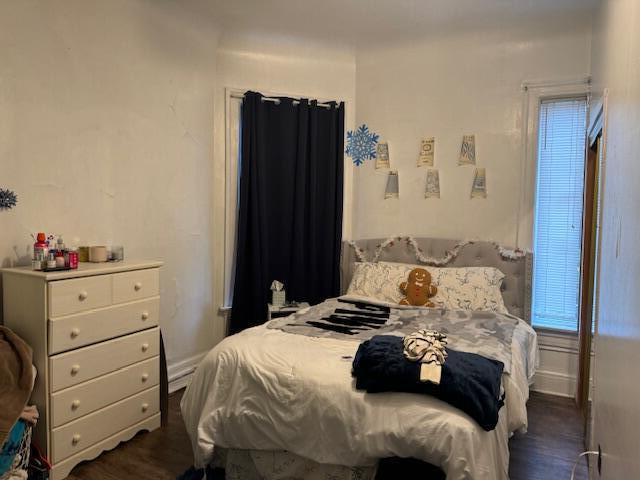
[266, 389]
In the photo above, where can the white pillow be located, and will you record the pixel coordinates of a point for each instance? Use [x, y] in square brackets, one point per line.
[379, 280]
[464, 288]
[469, 288]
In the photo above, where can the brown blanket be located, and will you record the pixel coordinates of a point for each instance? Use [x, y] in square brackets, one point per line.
[16, 379]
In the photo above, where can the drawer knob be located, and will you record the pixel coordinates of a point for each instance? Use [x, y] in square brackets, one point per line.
[83, 296]
[145, 377]
[137, 286]
[75, 404]
[145, 315]
[145, 347]
[75, 369]
[145, 407]
[75, 332]
[75, 439]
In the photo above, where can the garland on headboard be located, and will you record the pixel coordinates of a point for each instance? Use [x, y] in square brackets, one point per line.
[420, 256]
[449, 255]
[360, 256]
[511, 254]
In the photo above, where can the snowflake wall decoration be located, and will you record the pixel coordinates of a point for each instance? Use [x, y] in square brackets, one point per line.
[8, 199]
[361, 144]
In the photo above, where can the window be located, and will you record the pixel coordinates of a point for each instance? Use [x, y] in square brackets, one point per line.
[232, 183]
[558, 213]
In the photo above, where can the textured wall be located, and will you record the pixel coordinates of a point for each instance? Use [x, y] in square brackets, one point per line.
[448, 85]
[616, 63]
[106, 120]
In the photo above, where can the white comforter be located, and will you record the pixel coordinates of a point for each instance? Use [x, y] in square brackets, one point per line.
[264, 389]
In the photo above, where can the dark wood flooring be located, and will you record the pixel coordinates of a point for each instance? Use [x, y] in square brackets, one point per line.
[552, 444]
[546, 452]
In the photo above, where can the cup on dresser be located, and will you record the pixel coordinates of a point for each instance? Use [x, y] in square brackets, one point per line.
[83, 254]
[98, 254]
[117, 253]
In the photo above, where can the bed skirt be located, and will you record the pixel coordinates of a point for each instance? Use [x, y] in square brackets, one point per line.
[280, 465]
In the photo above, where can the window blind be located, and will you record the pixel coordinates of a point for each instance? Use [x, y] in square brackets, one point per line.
[558, 213]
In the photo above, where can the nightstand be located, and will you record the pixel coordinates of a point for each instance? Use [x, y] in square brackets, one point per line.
[285, 311]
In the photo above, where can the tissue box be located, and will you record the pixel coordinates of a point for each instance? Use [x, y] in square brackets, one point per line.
[277, 298]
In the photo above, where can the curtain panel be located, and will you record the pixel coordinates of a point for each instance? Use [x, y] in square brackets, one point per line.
[290, 204]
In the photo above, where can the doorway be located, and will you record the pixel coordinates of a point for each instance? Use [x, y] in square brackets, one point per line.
[589, 263]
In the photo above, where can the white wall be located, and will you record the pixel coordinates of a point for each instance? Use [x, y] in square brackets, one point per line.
[112, 129]
[447, 86]
[275, 65]
[106, 121]
[617, 414]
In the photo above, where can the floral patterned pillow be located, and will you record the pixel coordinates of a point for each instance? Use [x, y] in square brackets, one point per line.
[379, 280]
[465, 288]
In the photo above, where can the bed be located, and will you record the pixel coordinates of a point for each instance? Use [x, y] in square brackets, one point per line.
[272, 403]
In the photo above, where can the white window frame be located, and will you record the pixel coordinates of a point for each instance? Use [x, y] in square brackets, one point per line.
[232, 130]
[533, 93]
[598, 125]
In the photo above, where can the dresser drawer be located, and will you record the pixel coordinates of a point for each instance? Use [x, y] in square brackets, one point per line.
[86, 431]
[77, 295]
[80, 329]
[75, 402]
[135, 285]
[71, 368]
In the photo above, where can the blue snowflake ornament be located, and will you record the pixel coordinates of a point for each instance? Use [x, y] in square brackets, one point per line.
[361, 144]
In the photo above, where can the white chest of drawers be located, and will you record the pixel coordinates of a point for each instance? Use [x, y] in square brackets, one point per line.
[95, 339]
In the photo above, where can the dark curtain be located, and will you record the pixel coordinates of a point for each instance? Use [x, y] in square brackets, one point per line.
[290, 204]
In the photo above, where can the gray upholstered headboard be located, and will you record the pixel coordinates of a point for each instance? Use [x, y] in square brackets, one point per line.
[516, 265]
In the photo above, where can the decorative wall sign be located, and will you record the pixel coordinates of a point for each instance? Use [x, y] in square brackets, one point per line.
[393, 186]
[8, 199]
[382, 155]
[427, 152]
[361, 144]
[468, 150]
[433, 184]
[479, 188]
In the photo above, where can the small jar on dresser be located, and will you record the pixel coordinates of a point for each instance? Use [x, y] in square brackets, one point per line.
[95, 339]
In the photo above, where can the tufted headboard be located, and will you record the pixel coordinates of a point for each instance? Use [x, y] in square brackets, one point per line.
[515, 264]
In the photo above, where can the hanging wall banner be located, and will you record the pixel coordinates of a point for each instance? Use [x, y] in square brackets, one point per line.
[393, 187]
[433, 184]
[479, 188]
[427, 152]
[468, 150]
[382, 155]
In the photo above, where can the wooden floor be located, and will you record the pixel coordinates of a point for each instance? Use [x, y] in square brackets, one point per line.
[554, 440]
[546, 452]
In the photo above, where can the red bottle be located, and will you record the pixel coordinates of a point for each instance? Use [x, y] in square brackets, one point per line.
[40, 248]
[73, 259]
[40, 252]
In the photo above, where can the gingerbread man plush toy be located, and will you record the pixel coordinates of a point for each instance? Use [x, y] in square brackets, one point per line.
[418, 289]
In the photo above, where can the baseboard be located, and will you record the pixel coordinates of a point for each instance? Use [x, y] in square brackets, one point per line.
[180, 373]
[554, 383]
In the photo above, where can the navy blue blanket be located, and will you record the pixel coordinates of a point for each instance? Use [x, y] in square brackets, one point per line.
[468, 381]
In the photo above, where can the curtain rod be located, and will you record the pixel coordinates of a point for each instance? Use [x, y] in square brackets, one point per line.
[296, 100]
[579, 81]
